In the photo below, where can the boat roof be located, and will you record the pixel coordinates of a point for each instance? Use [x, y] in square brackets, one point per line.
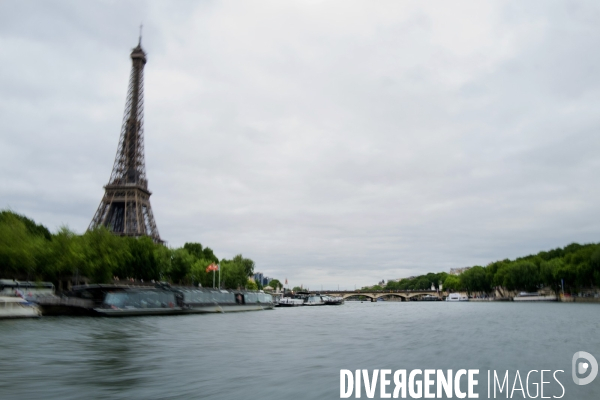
[10, 282]
[98, 286]
[6, 299]
[161, 286]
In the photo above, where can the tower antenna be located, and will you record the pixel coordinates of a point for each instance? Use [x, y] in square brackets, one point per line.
[140, 41]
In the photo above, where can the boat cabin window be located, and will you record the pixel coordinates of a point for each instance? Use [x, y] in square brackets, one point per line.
[25, 288]
[257, 298]
[265, 298]
[200, 296]
[141, 299]
[221, 297]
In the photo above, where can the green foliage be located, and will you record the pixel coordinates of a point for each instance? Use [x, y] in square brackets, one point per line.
[19, 249]
[251, 285]
[422, 282]
[519, 275]
[181, 265]
[476, 279]
[453, 283]
[31, 227]
[103, 254]
[208, 254]
[246, 263]
[235, 272]
[275, 284]
[194, 249]
[578, 266]
[143, 262]
[29, 251]
[65, 255]
[198, 274]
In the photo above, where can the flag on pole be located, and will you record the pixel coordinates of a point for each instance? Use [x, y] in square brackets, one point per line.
[212, 267]
[286, 281]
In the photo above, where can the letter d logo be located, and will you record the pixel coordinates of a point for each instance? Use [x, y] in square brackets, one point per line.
[583, 367]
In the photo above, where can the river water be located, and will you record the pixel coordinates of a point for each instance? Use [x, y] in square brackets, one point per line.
[293, 353]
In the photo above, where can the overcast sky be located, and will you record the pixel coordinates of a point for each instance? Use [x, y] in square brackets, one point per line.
[334, 143]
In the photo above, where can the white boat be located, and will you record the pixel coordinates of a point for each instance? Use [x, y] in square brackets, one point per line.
[524, 296]
[16, 307]
[457, 297]
[314, 301]
[30, 291]
[290, 302]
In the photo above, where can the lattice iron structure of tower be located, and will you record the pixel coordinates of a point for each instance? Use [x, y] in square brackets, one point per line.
[125, 208]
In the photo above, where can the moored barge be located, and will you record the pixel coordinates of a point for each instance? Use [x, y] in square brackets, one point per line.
[122, 301]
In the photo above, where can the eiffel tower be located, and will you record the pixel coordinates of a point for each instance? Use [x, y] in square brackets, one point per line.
[125, 208]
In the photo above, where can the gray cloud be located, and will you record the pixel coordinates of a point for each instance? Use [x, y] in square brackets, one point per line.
[331, 142]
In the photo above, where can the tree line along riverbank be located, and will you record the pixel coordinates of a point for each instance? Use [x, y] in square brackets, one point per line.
[574, 268]
[29, 251]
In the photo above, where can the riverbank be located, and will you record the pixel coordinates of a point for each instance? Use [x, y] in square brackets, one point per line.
[561, 298]
[572, 299]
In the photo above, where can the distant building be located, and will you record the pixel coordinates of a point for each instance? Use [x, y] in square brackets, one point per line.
[458, 271]
[261, 279]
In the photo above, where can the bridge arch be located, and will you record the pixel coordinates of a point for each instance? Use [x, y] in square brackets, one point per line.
[348, 295]
[373, 296]
[403, 296]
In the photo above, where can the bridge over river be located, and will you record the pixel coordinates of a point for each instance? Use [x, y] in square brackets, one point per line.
[402, 295]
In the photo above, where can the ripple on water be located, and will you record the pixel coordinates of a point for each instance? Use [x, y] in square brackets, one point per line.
[285, 352]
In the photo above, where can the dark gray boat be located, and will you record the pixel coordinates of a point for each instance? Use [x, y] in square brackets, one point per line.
[122, 300]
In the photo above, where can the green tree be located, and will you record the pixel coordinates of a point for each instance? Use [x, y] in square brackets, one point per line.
[209, 255]
[392, 285]
[103, 253]
[194, 249]
[275, 284]
[549, 273]
[251, 285]
[198, 274]
[452, 282]
[65, 255]
[30, 225]
[17, 249]
[233, 275]
[143, 263]
[164, 259]
[246, 263]
[518, 275]
[181, 266]
[23, 247]
[476, 279]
